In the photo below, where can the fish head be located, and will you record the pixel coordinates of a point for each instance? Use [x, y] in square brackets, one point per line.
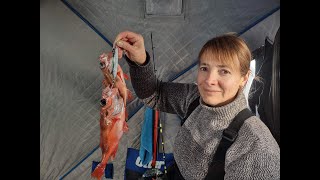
[106, 61]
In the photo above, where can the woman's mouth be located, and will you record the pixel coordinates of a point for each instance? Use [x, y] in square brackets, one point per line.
[211, 90]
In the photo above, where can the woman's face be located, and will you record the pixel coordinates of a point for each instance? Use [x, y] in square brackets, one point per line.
[218, 83]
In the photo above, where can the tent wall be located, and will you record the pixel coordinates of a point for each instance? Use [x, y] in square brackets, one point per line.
[70, 78]
[70, 87]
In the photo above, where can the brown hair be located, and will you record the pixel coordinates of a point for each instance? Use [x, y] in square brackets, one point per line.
[229, 49]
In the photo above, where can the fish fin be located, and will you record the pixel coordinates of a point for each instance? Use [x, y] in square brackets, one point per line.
[125, 127]
[126, 114]
[130, 96]
[126, 76]
[119, 75]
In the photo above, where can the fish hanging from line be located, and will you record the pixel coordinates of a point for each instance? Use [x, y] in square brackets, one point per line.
[113, 113]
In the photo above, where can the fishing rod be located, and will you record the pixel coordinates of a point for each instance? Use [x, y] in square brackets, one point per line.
[154, 172]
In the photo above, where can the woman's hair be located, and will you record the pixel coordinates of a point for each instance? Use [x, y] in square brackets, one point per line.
[228, 49]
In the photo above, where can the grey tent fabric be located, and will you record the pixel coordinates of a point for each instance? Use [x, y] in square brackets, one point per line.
[70, 86]
[70, 78]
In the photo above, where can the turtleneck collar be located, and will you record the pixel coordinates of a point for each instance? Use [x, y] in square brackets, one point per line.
[228, 111]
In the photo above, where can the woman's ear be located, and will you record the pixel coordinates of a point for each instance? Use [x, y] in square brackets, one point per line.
[244, 79]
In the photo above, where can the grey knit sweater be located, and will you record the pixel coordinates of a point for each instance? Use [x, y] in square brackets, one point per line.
[254, 155]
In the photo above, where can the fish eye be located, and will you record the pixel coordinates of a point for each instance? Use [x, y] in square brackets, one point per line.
[102, 65]
[103, 102]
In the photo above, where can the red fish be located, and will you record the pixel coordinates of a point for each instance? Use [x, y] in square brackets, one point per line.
[112, 114]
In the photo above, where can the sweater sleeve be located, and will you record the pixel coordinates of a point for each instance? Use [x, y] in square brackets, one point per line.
[167, 97]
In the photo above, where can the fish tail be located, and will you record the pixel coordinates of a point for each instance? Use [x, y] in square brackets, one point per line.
[98, 171]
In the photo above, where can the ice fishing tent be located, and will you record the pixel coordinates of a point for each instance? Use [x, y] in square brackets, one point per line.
[74, 33]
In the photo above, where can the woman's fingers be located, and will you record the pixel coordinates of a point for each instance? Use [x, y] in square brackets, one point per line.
[127, 36]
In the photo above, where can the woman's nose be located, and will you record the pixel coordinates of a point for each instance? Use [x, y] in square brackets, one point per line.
[211, 78]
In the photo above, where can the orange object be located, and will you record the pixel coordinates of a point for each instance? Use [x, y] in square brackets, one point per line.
[112, 114]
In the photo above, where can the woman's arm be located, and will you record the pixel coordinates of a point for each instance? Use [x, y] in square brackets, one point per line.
[166, 96]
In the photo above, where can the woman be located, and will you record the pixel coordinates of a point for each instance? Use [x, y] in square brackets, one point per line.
[223, 72]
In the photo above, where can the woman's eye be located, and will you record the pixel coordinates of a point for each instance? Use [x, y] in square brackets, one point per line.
[223, 71]
[203, 68]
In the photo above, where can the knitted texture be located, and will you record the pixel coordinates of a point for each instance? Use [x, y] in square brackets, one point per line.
[254, 155]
